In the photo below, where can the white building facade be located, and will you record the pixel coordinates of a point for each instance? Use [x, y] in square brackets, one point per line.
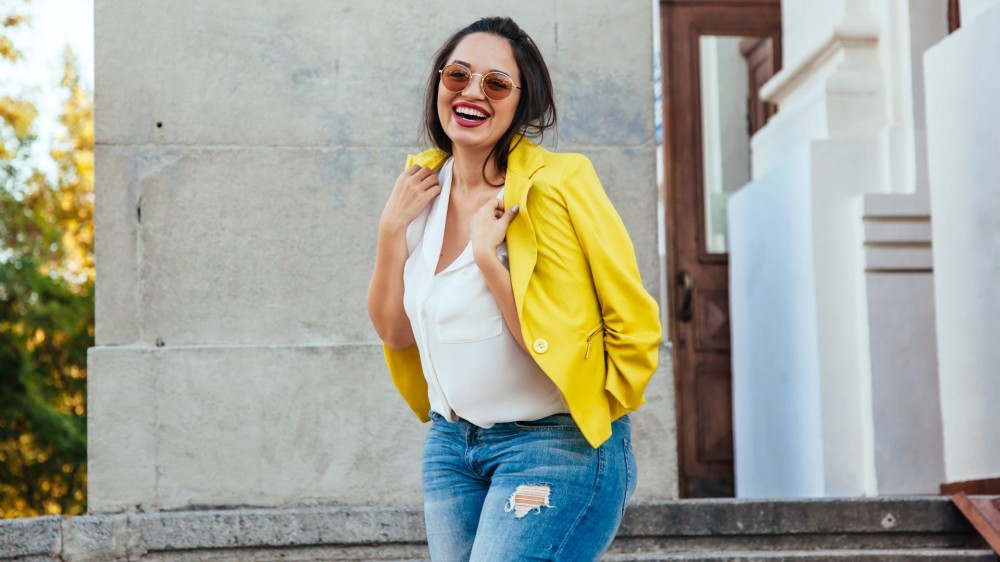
[865, 256]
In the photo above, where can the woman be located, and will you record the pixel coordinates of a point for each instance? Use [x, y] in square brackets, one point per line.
[509, 302]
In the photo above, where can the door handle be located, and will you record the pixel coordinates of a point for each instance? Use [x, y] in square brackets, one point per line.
[684, 280]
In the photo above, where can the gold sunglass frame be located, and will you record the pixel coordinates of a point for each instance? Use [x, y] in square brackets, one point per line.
[482, 80]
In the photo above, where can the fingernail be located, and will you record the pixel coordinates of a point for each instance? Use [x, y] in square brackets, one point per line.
[514, 209]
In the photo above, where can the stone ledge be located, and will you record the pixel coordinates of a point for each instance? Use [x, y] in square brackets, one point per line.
[794, 516]
[268, 527]
[368, 533]
[34, 536]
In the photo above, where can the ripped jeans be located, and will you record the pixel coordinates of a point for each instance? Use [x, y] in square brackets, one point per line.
[524, 490]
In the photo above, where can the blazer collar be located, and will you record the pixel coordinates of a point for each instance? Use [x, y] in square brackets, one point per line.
[525, 159]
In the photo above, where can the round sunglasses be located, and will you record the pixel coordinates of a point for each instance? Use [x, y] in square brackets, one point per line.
[495, 84]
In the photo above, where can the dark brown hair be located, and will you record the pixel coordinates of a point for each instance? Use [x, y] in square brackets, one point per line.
[536, 109]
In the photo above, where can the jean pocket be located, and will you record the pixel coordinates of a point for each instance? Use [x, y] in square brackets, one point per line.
[555, 421]
[631, 472]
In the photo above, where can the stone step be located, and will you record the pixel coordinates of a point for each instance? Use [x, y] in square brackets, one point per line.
[796, 525]
[920, 555]
[860, 530]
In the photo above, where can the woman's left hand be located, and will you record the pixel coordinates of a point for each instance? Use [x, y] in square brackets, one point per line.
[488, 229]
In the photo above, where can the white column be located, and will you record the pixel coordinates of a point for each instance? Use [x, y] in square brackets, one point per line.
[849, 132]
[963, 130]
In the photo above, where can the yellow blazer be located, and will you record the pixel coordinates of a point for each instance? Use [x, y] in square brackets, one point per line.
[585, 316]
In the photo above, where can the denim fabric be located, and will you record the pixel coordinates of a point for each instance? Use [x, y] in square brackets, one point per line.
[475, 510]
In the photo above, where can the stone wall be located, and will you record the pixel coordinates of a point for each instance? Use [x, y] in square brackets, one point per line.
[244, 152]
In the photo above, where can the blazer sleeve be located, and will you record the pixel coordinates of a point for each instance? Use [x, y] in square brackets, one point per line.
[631, 316]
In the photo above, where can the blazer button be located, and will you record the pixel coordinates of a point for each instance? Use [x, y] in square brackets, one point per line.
[540, 345]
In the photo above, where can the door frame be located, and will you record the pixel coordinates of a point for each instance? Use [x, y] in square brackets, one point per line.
[682, 22]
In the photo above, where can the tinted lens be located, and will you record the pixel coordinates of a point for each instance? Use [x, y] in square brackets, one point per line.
[497, 86]
[455, 77]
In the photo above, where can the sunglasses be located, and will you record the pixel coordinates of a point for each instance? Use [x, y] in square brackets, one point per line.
[496, 85]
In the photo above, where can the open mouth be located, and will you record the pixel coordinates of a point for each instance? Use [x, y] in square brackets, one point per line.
[469, 115]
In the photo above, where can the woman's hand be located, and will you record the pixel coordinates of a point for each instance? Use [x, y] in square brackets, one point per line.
[488, 229]
[414, 188]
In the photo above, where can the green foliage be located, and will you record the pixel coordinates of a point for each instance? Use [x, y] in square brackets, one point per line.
[46, 305]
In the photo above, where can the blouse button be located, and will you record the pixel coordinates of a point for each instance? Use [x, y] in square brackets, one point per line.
[540, 345]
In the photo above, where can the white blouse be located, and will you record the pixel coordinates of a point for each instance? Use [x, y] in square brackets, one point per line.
[474, 368]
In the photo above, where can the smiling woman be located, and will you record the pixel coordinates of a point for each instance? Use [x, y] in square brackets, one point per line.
[508, 299]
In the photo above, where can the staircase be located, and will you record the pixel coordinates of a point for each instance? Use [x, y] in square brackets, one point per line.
[855, 530]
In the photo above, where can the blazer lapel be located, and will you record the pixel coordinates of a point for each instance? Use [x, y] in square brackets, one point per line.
[522, 248]
[432, 158]
[525, 159]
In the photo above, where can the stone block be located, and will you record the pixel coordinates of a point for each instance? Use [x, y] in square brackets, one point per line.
[281, 426]
[605, 87]
[249, 246]
[30, 537]
[276, 528]
[812, 516]
[116, 215]
[121, 428]
[276, 246]
[276, 426]
[293, 73]
[300, 73]
[95, 538]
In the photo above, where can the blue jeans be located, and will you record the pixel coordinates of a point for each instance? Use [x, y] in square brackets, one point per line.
[524, 490]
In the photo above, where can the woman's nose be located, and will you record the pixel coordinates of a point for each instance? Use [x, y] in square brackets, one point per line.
[475, 88]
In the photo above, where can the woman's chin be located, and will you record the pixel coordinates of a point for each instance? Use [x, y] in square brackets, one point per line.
[471, 138]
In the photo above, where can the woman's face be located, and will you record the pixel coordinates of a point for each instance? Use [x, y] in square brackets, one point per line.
[481, 53]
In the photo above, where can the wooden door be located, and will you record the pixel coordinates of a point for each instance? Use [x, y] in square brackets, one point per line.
[741, 40]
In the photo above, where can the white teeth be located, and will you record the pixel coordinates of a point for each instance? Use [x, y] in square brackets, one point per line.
[469, 111]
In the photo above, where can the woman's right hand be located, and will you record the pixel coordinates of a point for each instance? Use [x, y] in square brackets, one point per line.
[414, 188]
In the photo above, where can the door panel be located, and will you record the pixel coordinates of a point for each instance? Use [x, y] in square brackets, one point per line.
[715, 423]
[716, 55]
[711, 321]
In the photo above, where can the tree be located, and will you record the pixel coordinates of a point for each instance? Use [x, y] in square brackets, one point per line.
[46, 303]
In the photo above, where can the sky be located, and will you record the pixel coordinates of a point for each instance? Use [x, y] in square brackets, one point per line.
[54, 25]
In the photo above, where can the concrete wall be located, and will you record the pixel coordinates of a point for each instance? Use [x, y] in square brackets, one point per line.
[244, 153]
[963, 129]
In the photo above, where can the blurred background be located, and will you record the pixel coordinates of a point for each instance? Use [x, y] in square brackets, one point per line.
[47, 258]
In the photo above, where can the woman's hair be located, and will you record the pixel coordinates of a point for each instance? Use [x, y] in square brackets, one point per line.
[536, 109]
